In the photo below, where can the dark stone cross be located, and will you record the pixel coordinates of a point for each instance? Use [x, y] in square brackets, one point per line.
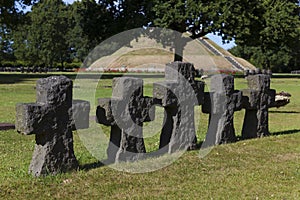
[257, 100]
[179, 94]
[126, 112]
[51, 119]
[221, 103]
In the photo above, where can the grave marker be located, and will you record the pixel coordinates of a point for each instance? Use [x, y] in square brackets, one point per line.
[51, 120]
[179, 94]
[257, 101]
[126, 112]
[221, 103]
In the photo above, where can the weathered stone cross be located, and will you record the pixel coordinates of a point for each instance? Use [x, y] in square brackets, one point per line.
[258, 99]
[51, 119]
[179, 94]
[221, 103]
[125, 112]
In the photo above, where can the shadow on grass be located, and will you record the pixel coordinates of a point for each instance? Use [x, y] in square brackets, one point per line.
[284, 112]
[17, 77]
[90, 166]
[286, 132]
[98, 164]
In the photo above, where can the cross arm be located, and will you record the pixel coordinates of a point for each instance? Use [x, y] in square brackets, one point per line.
[29, 118]
[104, 112]
[165, 91]
[251, 98]
[80, 114]
[271, 100]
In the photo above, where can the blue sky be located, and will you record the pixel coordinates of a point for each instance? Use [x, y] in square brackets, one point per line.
[218, 40]
[69, 1]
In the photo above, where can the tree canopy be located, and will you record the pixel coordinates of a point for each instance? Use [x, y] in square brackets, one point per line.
[274, 41]
[266, 32]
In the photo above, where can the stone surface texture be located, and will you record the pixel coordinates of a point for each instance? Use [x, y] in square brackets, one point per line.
[126, 112]
[51, 120]
[179, 94]
[221, 103]
[257, 100]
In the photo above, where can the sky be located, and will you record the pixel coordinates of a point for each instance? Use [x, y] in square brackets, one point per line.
[218, 40]
[215, 38]
[69, 1]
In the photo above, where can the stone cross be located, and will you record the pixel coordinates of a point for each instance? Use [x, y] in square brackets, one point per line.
[257, 100]
[221, 103]
[52, 121]
[126, 112]
[179, 94]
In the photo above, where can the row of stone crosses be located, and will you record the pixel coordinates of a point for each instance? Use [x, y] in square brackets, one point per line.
[55, 114]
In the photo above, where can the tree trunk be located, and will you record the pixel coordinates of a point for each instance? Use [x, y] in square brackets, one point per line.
[179, 46]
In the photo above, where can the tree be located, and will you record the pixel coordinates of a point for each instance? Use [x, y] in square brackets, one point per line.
[271, 25]
[281, 21]
[6, 50]
[222, 17]
[111, 18]
[130, 14]
[9, 11]
[43, 39]
[276, 35]
[25, 47]
[180, 15]
[90, 24]
[9, 18]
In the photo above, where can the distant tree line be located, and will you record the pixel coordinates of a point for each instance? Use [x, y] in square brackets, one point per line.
[267, 32]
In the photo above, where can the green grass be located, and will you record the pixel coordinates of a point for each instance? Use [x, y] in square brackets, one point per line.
[266, 168]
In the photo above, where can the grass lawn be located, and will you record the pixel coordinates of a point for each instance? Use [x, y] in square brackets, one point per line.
[267, 168]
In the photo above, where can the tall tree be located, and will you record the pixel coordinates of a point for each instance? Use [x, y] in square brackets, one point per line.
[90, 23]
[271, 25]
[45, 35]
[274, 29]
[113, 17]
[10, 14]
[280, 31]
[201, 17]
[10, 9]
[6, 50]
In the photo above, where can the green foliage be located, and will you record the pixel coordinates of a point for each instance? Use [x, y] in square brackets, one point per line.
[195, 16]
[10, 12]
[129, 14]
[73, 65]
[10, 15]
[90, 23]
[269, 28]
[42, 40]
[274, 40]
[63, 33]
